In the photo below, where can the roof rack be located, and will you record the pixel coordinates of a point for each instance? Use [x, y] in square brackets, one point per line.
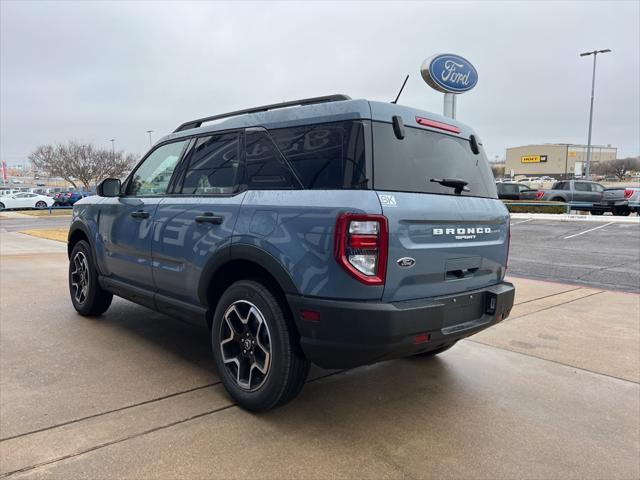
[305, 101]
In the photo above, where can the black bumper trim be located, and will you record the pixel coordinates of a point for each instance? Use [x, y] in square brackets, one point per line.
[352, 333]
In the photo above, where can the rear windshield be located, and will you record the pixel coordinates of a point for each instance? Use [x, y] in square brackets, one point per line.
[408, 165]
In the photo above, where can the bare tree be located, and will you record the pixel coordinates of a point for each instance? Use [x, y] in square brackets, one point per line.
[80, 163]
[620, 167]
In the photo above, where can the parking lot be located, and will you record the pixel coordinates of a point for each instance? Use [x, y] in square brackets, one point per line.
[552, 392]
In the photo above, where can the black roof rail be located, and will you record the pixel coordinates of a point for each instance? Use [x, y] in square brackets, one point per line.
[305, 101]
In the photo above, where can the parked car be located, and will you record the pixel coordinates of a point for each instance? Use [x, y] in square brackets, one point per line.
[68, 198]
[25, 200]
[577, 191]
[515, 191]
[327, 230]
[621, 200]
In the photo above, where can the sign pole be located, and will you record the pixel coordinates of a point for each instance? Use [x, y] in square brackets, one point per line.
[449, 108]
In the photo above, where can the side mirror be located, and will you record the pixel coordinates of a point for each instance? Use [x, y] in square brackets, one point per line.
[109, 187]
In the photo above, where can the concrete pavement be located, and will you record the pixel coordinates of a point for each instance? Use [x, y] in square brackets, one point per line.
[552, 392]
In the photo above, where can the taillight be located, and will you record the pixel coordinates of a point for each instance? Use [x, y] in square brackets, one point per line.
[361, 244]
[628, 193]
[539, 194]
[69, 194]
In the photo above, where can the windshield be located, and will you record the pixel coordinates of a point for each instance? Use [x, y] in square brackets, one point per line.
[409, 164]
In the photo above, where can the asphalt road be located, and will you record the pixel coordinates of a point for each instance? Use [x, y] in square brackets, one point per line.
[33, 222]
[602, 255]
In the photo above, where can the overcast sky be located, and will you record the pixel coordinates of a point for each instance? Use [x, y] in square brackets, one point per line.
[92, 71]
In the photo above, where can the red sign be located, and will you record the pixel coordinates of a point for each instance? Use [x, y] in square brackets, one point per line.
[4, 171]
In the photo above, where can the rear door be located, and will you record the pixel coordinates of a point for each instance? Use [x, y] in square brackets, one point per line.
[439, 242]
[197, 219]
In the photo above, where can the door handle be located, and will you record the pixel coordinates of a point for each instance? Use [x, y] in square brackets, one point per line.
[140, 214]
[209, 217]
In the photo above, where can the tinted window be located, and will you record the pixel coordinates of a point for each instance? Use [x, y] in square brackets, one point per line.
[326, 156]
[409, 164]
[265, 167]
[596, 187]
[153, 175]
[212, 165]
[582, 187]
[560, 186]
[510, 188]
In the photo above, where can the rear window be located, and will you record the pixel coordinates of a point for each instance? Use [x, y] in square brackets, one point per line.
[325, 156]
[409, 164]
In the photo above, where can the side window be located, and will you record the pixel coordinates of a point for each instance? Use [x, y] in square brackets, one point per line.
[582, 187]
[153, 175]
[265, 168]
[596, 187]
[213, 165]
[325, 156]
[511, 188]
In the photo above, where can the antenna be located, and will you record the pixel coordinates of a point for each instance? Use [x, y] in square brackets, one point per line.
[401, 88]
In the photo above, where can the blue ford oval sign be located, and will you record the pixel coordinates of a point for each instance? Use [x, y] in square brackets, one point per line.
[449, 73]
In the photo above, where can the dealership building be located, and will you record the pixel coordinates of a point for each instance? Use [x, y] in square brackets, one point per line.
[558, 160]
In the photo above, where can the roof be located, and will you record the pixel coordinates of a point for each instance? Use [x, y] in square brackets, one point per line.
[327, 111]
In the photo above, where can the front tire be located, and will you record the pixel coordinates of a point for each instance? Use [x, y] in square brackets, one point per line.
[87, 296]
[597, 212]
[621, 212]
[1, 206]
[256, 348]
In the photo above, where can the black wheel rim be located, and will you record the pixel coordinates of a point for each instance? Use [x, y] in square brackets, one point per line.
[80, 277]
[245, 345]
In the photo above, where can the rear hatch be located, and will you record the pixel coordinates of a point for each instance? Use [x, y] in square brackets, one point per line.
[614, 194]
[440, 242]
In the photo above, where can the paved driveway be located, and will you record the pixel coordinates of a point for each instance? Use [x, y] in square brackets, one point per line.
[552, 392]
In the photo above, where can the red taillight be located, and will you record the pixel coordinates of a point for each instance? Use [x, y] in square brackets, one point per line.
[69, 194]
[421, 338]
[425, 122]
[628, 193]
[539, 194]
[361, 244]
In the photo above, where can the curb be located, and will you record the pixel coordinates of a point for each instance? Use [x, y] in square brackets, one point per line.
[579, 218]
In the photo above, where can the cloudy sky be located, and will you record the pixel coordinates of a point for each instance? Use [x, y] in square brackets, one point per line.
[92, 71]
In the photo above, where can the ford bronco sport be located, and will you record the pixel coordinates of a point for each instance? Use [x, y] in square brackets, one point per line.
[327, 230]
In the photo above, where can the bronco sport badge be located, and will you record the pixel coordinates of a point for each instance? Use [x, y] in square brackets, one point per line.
[467, 233]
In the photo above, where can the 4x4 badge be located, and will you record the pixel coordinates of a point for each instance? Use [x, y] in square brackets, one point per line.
[406, 262]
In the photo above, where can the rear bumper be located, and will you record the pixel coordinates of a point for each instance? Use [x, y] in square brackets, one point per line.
[351, 333]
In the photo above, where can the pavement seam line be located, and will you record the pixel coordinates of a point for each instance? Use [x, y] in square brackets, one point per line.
[557, 362]
[553, 306]
[115, 410]
[548, 296]
[146, 432]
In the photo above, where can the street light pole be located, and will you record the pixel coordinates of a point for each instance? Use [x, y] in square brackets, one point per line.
[113, 148]
[150, 132]
[595, 53]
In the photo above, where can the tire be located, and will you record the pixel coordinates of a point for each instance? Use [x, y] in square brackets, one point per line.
[597, 212]
[88, 298]
[437, 351]
[621, 212]
[1, 206]
[272, 370]
[41, 204]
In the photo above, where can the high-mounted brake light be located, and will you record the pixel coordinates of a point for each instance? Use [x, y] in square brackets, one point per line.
[361, 243]
[539, 194]
[628, 193]
[425, 122]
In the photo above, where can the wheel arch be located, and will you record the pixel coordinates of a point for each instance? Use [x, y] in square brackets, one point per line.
[77, 232]
[243, 262]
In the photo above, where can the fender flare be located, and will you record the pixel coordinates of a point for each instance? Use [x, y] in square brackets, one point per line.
[75, 226]
[249, 253]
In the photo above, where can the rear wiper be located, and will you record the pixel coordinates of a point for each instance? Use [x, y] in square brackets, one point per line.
[457, 183]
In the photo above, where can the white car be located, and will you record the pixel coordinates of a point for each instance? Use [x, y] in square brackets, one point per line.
[25, 200]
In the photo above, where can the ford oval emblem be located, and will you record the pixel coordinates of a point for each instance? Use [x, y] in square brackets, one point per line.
[449, 73]
[406, 262]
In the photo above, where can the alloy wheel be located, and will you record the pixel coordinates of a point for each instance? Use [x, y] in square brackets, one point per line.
[80, 277]
[245, 344]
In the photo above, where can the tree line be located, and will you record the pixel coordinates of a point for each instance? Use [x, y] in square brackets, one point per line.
[81, 164]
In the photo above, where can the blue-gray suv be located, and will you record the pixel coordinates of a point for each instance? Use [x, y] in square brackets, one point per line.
[327, 230]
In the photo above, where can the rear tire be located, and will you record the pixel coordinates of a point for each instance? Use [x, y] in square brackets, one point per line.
[87, 296]
[255, 348]
[1, 206]
[597, 212]
[621, 212]
[41, 204]
[437, 351]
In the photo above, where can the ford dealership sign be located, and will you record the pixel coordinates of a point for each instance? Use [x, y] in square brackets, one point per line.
[449, 73]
